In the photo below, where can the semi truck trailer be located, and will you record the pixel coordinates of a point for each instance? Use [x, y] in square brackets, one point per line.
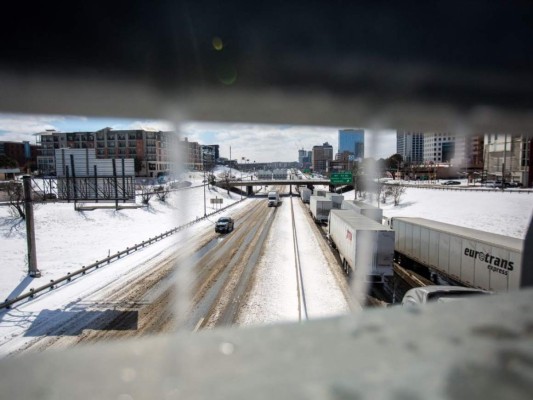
[365, 247]
[368, 210]
[319, 207]
[468, 256]
[336, 199]
[305, 194]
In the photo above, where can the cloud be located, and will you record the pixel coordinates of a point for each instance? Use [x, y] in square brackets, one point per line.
[148, 125]
[18, 127]
[264, 143]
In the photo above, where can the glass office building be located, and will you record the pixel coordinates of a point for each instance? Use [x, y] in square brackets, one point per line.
[352, 141]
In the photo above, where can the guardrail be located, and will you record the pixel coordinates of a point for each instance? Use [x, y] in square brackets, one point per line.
[100, 263]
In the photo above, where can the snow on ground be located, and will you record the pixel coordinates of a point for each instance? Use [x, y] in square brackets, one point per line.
[323, 295]
[274, 296]
[67, 239]
[504, 213]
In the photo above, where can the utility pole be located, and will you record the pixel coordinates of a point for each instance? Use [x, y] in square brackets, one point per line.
[33, 271]
[205, 213]
[504, 160]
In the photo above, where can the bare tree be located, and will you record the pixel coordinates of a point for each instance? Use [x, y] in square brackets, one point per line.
[379, 188]
[146, 193]
[397, 191]
[211, 179]
[15, 195]
[162, 192]
[226, 178]
[385, 193]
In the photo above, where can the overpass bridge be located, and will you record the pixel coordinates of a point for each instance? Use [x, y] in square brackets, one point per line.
[249, 184]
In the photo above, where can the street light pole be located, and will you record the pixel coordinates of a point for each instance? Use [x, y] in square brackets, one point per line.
[241, 180]
[205, 212]
[504, 160]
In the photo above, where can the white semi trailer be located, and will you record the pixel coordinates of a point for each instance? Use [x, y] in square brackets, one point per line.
[320, 207]
[368, 210]
[305, 194]
[469, 256]
[365, 246]
[336, 199]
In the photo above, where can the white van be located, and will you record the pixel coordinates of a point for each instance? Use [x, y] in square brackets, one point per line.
[273, 199]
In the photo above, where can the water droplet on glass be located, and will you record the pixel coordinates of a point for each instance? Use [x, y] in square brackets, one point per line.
[227, 348]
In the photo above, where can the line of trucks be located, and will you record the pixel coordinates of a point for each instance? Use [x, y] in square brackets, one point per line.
[366, 246]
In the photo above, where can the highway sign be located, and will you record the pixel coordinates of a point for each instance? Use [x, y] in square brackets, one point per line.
[343, 178]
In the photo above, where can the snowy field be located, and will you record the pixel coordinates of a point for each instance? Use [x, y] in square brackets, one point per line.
[504, 213]
[67, 239]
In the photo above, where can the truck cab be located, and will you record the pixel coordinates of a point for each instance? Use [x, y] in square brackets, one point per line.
[273, 199]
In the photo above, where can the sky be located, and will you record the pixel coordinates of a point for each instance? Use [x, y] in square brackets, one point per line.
[254, 142]
[66, 239]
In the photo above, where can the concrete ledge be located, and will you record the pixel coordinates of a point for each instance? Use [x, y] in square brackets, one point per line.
[478, 348]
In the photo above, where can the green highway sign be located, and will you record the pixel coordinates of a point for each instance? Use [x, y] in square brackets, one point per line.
[342, 178]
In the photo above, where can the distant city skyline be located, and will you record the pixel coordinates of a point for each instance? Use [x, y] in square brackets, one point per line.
[254, 142]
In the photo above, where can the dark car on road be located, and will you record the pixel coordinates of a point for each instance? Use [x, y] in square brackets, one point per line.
[224, 225]
[451, 183]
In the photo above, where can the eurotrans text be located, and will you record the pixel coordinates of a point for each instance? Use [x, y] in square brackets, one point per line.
[495, 264]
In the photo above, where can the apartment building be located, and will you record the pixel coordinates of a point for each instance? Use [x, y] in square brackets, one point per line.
[154, 152]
